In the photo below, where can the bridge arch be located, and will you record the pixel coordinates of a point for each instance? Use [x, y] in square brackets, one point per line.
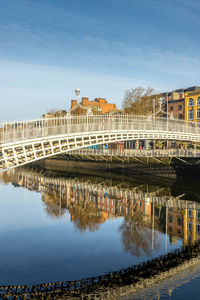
[25, 142]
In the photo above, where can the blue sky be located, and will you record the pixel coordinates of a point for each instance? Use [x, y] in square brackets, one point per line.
[50, 47]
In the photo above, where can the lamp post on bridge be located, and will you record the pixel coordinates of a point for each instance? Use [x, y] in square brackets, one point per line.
[155, 113]
[167, 111]
[77, 92]
[154, 109]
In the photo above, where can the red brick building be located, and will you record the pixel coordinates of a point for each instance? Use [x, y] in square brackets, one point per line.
[176, 108]
[99, 104]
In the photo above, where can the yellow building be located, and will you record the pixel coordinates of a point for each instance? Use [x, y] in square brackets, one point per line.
[192, 107]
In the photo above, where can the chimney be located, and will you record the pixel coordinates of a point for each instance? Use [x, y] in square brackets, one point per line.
[73, 103]
[85, 101]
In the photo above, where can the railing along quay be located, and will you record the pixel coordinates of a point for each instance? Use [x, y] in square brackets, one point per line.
[139, 153]
[113, 284]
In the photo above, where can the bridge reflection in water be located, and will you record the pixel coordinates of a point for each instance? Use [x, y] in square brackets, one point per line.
[146, 211]
[91, 201]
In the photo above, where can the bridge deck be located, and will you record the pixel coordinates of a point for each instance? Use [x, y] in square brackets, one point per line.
[28, 141]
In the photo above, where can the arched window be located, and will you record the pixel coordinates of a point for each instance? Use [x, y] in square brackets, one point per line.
[191, 102]
[198, 101]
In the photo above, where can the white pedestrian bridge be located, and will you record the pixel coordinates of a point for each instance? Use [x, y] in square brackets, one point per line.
[23, 142]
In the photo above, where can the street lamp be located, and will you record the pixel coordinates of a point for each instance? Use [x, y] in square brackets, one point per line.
[160, 103]
[154, 109]
[167, 111]
[77, 92]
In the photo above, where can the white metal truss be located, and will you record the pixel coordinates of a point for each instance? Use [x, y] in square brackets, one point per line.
[28, 141]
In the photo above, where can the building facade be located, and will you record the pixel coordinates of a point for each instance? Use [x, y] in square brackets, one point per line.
[100, 105]
[192, 107]
[176, 109]
[176, 102]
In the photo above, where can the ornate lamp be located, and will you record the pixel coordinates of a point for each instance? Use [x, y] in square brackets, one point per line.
[77, 92]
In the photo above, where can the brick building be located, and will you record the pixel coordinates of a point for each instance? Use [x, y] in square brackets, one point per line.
[100, 105]
[176, 108]
[174, 224]
[176, 102]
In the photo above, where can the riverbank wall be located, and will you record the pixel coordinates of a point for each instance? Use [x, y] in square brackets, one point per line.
[97, 167]
[114, 284]
[172, 171]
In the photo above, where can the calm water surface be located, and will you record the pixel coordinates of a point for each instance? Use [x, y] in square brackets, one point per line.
[55, 227]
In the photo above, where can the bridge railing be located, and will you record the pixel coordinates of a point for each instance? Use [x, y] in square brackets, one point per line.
[24, 130]
[139, 153]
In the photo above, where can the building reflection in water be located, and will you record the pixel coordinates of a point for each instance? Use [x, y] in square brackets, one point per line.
[90, 202]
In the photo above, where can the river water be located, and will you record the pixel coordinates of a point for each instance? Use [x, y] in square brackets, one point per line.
[57, 227]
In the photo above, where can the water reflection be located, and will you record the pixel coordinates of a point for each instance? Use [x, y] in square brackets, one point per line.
[138, 235]
[118, 223]
[146, 210]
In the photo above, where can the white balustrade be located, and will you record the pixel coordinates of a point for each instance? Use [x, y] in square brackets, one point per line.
[24, 130]
[22, 142]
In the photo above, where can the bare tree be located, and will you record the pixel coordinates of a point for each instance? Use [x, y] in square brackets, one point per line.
[150, 91]
[132, 95]
[136, 234]
[139, 101]
[52, 111]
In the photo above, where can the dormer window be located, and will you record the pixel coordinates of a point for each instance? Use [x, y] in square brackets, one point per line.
[191, 102]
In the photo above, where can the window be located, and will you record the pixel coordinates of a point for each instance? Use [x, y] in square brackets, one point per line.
[171, 108]
[198, 215]
[198, 101]
[180, 116]
[189, 213]
[179, 221]
[198, 113]
[191, 102]
[180, 107]
[198, 228]
[190, 114]
[189, 226]
[170, 219]
[181, 95]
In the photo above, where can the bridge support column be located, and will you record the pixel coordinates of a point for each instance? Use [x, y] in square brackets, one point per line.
[169, 143]
[195, 148]
[154, 144]
[146, 144]
[137, 144]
